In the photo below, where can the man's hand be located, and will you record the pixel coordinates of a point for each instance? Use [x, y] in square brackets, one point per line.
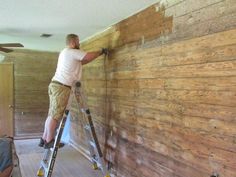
[104, 51]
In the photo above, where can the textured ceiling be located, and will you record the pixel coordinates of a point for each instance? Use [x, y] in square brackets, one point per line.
[25, 20]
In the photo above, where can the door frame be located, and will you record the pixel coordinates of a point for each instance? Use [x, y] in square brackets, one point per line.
[10, 106]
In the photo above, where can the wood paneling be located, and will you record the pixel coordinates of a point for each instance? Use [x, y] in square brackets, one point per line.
[164, 104]
[32, 72]
[137, 27]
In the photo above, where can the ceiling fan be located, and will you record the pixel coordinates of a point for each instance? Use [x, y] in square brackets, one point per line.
[6, 50]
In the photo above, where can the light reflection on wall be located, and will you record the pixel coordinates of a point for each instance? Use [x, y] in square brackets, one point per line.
[1, 58]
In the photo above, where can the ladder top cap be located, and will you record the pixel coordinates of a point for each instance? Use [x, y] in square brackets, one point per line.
[78, 84]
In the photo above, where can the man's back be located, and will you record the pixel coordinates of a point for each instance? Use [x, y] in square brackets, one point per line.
[69, 67]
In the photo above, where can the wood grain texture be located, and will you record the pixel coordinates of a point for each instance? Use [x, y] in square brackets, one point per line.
[163, 101]
[137, 27]
[165, 106]
[32, 73]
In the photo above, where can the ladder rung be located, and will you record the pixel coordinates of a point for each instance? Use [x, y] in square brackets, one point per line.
[87, 127]
[45, 165]
[97, 162]
[51, 149]
[92, 144]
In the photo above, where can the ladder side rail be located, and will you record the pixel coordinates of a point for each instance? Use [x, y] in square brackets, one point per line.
[94, 133]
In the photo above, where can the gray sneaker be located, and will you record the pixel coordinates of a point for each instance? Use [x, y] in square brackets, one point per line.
[41, 142]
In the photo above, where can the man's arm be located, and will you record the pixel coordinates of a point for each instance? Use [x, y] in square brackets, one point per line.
[90, 56]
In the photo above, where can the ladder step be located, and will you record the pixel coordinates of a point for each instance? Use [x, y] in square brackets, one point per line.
[97, 162]
[92, 144]
[45, 165]
[87, 127]
[51, 149]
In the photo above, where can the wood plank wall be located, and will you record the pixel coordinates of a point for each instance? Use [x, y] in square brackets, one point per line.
[33, 71]
[163, 102]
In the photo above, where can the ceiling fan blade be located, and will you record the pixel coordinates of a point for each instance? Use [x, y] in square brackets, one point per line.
[11, 45]
[5, 50]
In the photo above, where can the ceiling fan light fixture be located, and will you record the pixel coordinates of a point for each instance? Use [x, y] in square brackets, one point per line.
[6, 50]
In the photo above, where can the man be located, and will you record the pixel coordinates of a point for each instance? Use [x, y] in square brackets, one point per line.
[69, 70]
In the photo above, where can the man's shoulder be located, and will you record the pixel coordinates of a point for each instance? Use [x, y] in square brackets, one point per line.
[72, 50]
[73, 53]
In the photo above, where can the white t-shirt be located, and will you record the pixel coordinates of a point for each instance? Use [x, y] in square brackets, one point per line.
[69, 66]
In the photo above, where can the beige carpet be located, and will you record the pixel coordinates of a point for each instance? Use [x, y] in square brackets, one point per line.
[69, 162]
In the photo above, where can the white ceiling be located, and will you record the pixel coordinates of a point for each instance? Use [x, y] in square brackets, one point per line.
[25, 20]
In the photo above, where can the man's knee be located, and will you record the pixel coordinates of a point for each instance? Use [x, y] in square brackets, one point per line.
[53, 118]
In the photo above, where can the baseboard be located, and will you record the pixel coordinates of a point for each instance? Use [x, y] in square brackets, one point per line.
[34, 136]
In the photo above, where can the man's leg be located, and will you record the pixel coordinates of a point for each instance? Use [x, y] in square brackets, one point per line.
[45, 129]
[42, 140]
[51, 131]
[58, 97]
[50, 128]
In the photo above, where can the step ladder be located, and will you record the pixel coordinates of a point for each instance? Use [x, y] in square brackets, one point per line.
[96, 156]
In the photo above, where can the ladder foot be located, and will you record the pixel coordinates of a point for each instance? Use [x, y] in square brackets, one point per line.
[40, 172]
[95, 166]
